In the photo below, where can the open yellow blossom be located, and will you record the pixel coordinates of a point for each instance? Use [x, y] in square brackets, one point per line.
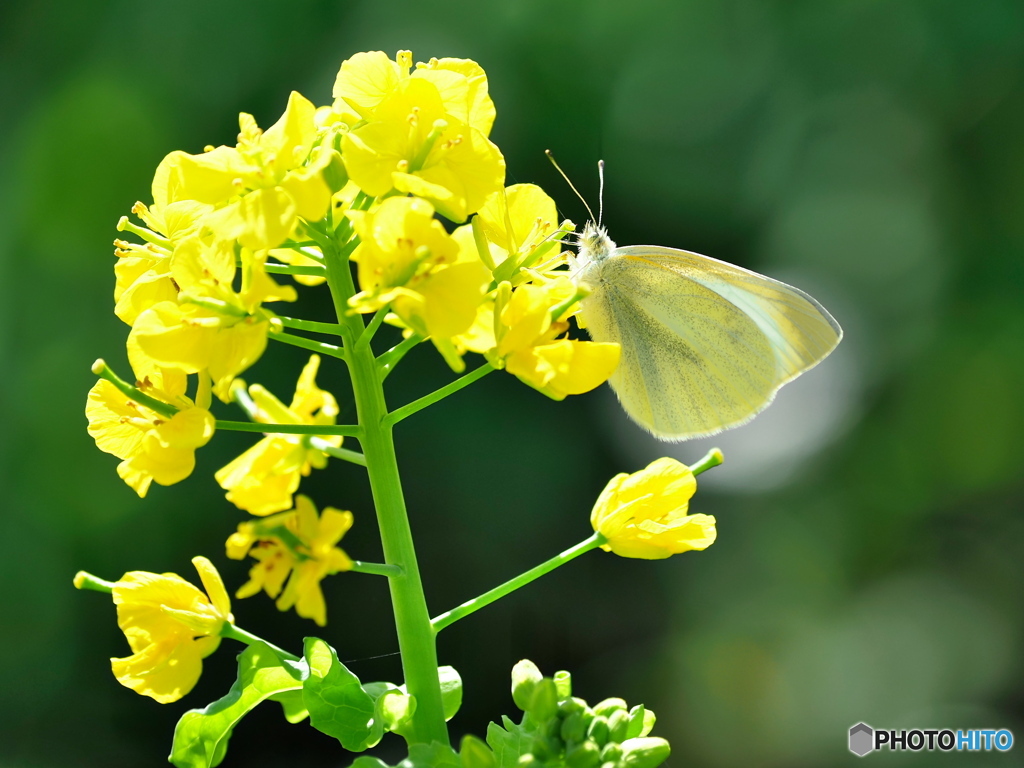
[519, 228]
[262, 480]
[171, 627]
[143, 272]
[262, 186]
[406, 259]
[645, 514]
[298, 546]
[211, 326]
[366, 79]
[414, 145]
[152, 447]
[526, 341]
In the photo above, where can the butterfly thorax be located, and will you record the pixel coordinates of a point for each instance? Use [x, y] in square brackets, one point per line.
[594, 247]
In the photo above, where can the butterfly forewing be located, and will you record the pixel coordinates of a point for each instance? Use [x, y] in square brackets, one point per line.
[705, 345]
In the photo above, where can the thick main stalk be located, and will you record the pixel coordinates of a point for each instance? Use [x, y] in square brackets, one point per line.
[412, 620]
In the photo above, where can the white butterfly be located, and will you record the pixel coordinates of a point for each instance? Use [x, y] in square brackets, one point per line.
[705, 344]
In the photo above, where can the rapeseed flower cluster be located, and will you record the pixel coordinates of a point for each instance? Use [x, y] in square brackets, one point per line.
[398, 176]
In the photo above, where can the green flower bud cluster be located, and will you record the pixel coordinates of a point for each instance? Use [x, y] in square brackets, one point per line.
[560, 730]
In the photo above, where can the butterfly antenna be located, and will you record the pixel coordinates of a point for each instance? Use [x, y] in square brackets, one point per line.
[600, 193]
[558, 168]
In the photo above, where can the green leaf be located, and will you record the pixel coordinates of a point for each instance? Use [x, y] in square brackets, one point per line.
[394, 709]
[369, 762]
[451, 691]
[294, 707]
[432, 755]
[475, 754]
[509, 743]
[201, 736]
[337, 703]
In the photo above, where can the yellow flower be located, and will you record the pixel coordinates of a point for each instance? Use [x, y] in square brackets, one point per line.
[171, 627]
[211, 326]
[261, 187]
[152, 447]
[518, 226]
[366, 79]
[414, 145]
[644, 514]
[143, 272]
[263, 479]
[527, 343]
[298, 546]
[406, 259]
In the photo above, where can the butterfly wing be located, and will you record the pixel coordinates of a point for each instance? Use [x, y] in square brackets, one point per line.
[705, 344]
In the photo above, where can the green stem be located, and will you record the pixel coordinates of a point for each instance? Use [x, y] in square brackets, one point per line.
[345, 430]
[391, 358]
[313, 346]
[412, 620]
[339, 453]
[368, 332]
[711, 459]
[85, 580]
[284, 269]
[418, 405]
[310, 325]
[378, 569]
[239, 634]
[101, 369]
[471, 606]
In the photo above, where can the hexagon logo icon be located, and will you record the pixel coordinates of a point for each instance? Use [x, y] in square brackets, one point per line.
[862, 739]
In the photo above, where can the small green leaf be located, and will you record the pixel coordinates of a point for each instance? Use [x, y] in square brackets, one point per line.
[475, 754]
[451, 691]
[509, 742]
[432, 755]
[369, 762]
[294, 707]
[337, 703]
[395, 709]
[201, 736]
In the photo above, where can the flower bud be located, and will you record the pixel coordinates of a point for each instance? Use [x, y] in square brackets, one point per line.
[647, 752]
[598, 730]
[525, 677]
[608, 706]
[618, 725]
[574, 730]
[543, 703]
[563, 684]
[585, 755]
[334, 171]
[611, 753]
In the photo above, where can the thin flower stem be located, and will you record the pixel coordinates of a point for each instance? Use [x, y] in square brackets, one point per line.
[313, 346]
[339, 453]
[310, 325]
[378, 569]
[237, 633]
[85, 580]
[418, 405]
[101, 369]
[345, 430]
[387, 361]
[285, 269]
[241, 396]
[711, 459]
[471, 606]
[368, 332]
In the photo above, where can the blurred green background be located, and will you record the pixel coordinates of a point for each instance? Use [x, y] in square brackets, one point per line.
[870, 564]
